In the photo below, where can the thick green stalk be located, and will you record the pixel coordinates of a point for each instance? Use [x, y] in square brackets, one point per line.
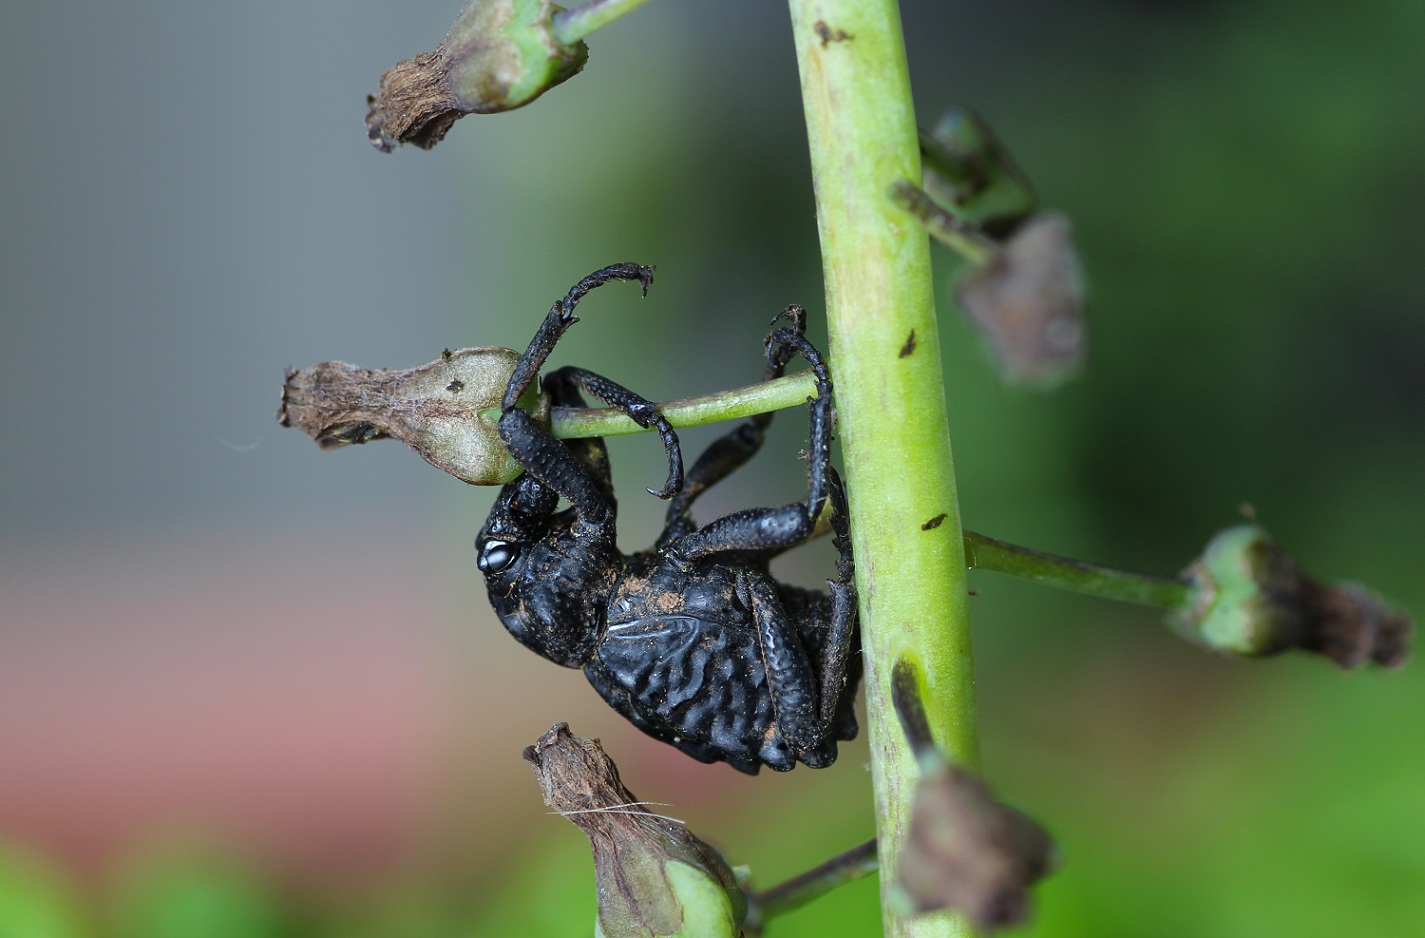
[890, 399]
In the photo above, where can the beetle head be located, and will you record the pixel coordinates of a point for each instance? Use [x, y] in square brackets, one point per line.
[548, 583]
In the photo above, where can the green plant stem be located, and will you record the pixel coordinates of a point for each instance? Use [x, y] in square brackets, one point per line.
[569, 26]
[796, 892]
[905, 522]
[986, 553]
[791, 391]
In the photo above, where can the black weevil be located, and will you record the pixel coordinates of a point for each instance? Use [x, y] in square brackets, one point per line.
[692, 640]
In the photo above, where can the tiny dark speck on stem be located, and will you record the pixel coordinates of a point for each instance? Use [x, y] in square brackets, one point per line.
[445, 355]
[933, 523]
[909, 347]
[826, 34]
[456, 386]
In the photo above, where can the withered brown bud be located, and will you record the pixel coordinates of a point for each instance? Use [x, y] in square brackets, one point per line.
[655, 878]
[499, 55]
[964, 851]
[968, 852]
[1028, 302]
[1249, 598]
[434, 409]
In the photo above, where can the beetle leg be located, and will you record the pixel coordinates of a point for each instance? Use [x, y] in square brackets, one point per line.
[642, 411]
[728, 453]
[841, 636]
[557, 465]
[723, 456]
[751, 530]
[769, 530]
[790, 678]
[791, 340]
[557, 322]
[590, 451]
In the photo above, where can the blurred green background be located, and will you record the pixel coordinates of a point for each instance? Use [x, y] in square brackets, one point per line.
[251, 689]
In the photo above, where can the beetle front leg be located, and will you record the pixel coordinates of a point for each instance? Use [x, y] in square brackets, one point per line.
[553, 464]
[557, 322]
[551, 461]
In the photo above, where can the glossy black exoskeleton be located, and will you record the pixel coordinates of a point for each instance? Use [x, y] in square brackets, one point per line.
[693, 640]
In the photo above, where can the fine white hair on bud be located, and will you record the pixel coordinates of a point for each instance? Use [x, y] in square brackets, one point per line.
[655, 878]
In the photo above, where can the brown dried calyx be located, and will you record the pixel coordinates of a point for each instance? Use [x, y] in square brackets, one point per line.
[434, 409]
[967, 851]
[964, 849]
[499, 55]
[1028, 302]
[655, 878]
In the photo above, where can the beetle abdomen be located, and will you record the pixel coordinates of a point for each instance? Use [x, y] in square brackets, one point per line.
[702, 681]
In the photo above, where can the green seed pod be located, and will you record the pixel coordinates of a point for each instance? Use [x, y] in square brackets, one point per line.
[655, 878]
[434, 409]
[499, 55]
[1251, 599]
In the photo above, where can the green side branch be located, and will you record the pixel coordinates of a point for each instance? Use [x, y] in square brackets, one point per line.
[957, 234]
[987, 553]
[791, 391]
[801, 890]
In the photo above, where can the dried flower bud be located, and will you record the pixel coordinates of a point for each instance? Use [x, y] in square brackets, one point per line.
[965, 850]
[967, 167]
[1028, 301]
[1249, 598]
[434, 409]
[654, 877]
[968, 852]
[499, 55]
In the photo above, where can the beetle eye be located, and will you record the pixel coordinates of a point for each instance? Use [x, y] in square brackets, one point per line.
[496, 556]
